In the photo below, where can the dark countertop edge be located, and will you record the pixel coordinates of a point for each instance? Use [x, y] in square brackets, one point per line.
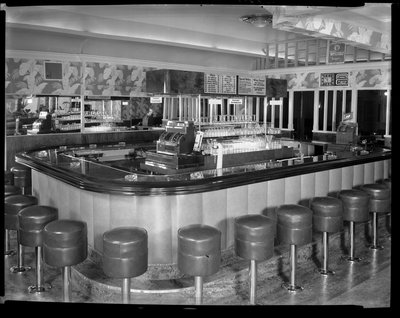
[182, 187]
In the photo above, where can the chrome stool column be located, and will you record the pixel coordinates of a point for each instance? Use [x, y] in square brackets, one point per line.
[32, 221]
[379, 203]
[294, 227]
[327, 218]
[388, 182]
[125, 255]
[199, 254]
[355, 209]
[254, 241]
[12, 205]
[8, 191]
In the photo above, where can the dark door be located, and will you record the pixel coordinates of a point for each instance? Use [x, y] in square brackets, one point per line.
[303, 106]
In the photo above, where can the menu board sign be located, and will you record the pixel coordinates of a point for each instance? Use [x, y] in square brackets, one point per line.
[211, 84]
[251, 86]
[219, 84]
[227, 84]
[334, 79]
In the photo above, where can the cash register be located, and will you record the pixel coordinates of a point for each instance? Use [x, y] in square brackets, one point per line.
[174, 149]
[42, 125]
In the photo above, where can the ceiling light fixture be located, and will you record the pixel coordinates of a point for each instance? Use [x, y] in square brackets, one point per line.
[258, 20]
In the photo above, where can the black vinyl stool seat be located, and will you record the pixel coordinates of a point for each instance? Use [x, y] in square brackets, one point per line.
[294, 227]
[32, 221]
[125, 255]
[22, 177]
[254, 241]
[11, 190]
[379, 203]
[12, 205]
[327, 218]
[64, 245]
[355, 209]
[388, 182]
[199, 253]
[8, 177]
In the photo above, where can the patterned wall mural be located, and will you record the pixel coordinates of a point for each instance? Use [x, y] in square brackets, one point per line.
[25, 77]
[374, 78]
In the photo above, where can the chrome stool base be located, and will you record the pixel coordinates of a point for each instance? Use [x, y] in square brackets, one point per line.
[9, 253]
[324, 272]
[21, 269]
[376, 247]
[351, 258]
[39, 289]
[292, 288]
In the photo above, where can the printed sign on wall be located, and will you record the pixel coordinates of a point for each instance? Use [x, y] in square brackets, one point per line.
[251, 86]
[219, 84]
[336, 53]
[334, 79]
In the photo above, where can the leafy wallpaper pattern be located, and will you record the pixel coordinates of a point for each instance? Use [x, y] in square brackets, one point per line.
[25, 77]
[374, 78]
[320, 25]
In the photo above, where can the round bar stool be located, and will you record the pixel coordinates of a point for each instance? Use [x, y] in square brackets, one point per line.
[32, 221]
[10, 190]
[388, 182]
[8, 177]
[199, 254]
[379, 203]
[22, 177]
[125, 255]
[294, 227]
[254, 241]
[64, 245]
[355, 209]
[12, 205]
[327, 218]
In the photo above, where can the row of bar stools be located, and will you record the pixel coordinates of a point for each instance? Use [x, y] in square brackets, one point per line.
[32, 221]
[12, 205]
[125, 255]
[199, 254]
[379, 203]
[65, 244]
[327, 218]
[294, 227]
[355, 209]
[22, 177]
[8, 191]
[254, 241]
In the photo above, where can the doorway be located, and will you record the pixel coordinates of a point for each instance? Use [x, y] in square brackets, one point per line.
[303, 112]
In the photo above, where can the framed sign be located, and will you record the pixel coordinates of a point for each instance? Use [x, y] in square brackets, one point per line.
[336, 53]
[334, 79]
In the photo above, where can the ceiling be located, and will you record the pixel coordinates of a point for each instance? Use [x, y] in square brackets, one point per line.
[207, 27]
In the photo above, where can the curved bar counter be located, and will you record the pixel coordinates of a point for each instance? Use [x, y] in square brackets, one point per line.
[105, 187]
